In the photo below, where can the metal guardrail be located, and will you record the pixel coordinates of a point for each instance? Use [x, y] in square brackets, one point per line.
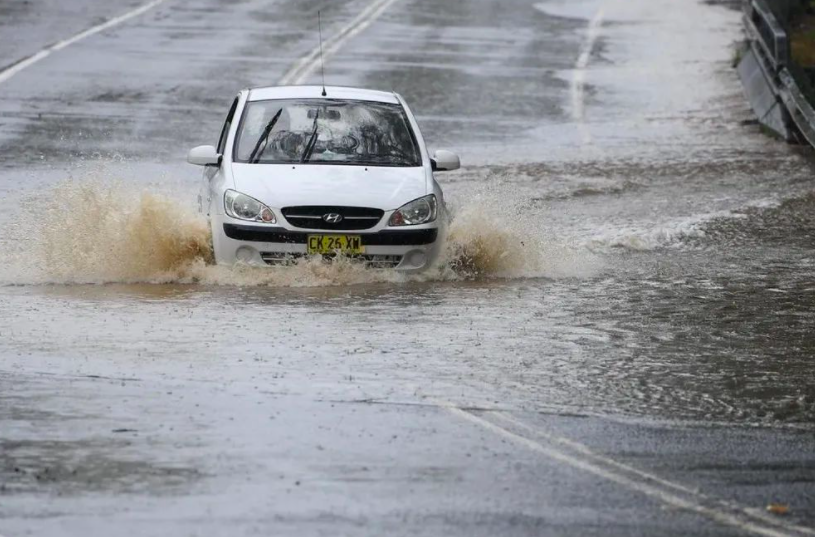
[772, 45]
[799, 107]
[771, 35]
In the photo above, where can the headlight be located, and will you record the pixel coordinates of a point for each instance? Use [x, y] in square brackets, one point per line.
[243, 207]
[420, 211]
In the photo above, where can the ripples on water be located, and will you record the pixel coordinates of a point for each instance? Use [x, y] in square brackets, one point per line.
[703, 317]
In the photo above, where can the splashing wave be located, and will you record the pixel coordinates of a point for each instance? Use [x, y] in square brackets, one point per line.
[98, 231]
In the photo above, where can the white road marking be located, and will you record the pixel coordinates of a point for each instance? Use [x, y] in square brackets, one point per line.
[669, 493]
[585, 450]
[47, 51]
[309, 63]
[578, 85]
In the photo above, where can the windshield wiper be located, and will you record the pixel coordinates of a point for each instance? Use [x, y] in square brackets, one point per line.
[256, 152]
[312, 141]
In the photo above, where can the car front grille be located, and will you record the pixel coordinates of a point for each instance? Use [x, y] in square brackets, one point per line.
[351, 218]
[280, 259]
[380, 261]
[283, 259]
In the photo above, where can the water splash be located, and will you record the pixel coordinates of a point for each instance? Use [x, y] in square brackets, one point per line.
[99, 231]
[497, 234]
[92, 232]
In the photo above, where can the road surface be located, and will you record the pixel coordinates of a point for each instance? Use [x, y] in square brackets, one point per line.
[619, 341]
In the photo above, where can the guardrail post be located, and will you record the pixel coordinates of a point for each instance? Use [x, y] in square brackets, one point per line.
[772, 35]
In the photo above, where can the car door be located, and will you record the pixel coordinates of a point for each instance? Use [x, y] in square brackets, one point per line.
[211, 172]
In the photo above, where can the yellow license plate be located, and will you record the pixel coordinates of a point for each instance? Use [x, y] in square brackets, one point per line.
[329, 244]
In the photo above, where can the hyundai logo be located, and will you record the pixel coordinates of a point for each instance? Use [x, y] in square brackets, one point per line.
[332, 218]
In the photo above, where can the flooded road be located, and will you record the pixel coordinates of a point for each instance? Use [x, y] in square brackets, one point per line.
[617, 340]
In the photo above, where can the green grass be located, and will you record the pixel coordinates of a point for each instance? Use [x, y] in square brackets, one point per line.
[801, 28]
[738, 53]
[802, 40]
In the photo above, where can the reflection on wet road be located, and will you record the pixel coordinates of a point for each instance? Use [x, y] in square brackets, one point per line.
[629, 259]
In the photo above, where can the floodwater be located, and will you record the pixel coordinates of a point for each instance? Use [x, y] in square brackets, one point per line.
[596, 292]
[659, 264]
[625, 242]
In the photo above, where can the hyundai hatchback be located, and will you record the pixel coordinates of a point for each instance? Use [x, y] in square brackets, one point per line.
[311, 171]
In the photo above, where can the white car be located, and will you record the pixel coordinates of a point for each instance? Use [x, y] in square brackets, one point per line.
[307, 170]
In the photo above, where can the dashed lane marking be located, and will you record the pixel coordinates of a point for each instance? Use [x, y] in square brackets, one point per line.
[578, 85]
[309, 63]
[14, 69]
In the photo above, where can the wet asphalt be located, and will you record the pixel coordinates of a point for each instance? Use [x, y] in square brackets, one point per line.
[638, 363]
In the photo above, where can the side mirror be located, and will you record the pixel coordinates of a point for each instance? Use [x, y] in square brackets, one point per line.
[204, 155]
[445, 161]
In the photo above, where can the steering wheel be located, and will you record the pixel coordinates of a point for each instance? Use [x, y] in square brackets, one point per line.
[347, 144]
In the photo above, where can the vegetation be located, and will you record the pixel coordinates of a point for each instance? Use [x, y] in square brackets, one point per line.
[798, 18]
[802, 37]
[787, 11]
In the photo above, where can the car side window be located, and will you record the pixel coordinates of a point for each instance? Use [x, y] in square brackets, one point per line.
[227, 124]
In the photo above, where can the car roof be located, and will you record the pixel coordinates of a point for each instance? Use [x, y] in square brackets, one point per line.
[316, 92]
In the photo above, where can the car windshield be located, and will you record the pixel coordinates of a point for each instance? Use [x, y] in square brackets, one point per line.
[326, 131]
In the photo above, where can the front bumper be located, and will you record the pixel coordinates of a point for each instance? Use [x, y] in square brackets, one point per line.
[390, 237]
[402, 249]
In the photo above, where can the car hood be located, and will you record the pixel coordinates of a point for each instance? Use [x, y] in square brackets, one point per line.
[279, 185]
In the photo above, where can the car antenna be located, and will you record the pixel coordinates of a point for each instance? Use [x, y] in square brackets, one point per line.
[322, 65]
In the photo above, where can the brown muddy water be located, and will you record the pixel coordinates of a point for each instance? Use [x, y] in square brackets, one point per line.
[575, 290]
[628, 276]
[624, 240]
